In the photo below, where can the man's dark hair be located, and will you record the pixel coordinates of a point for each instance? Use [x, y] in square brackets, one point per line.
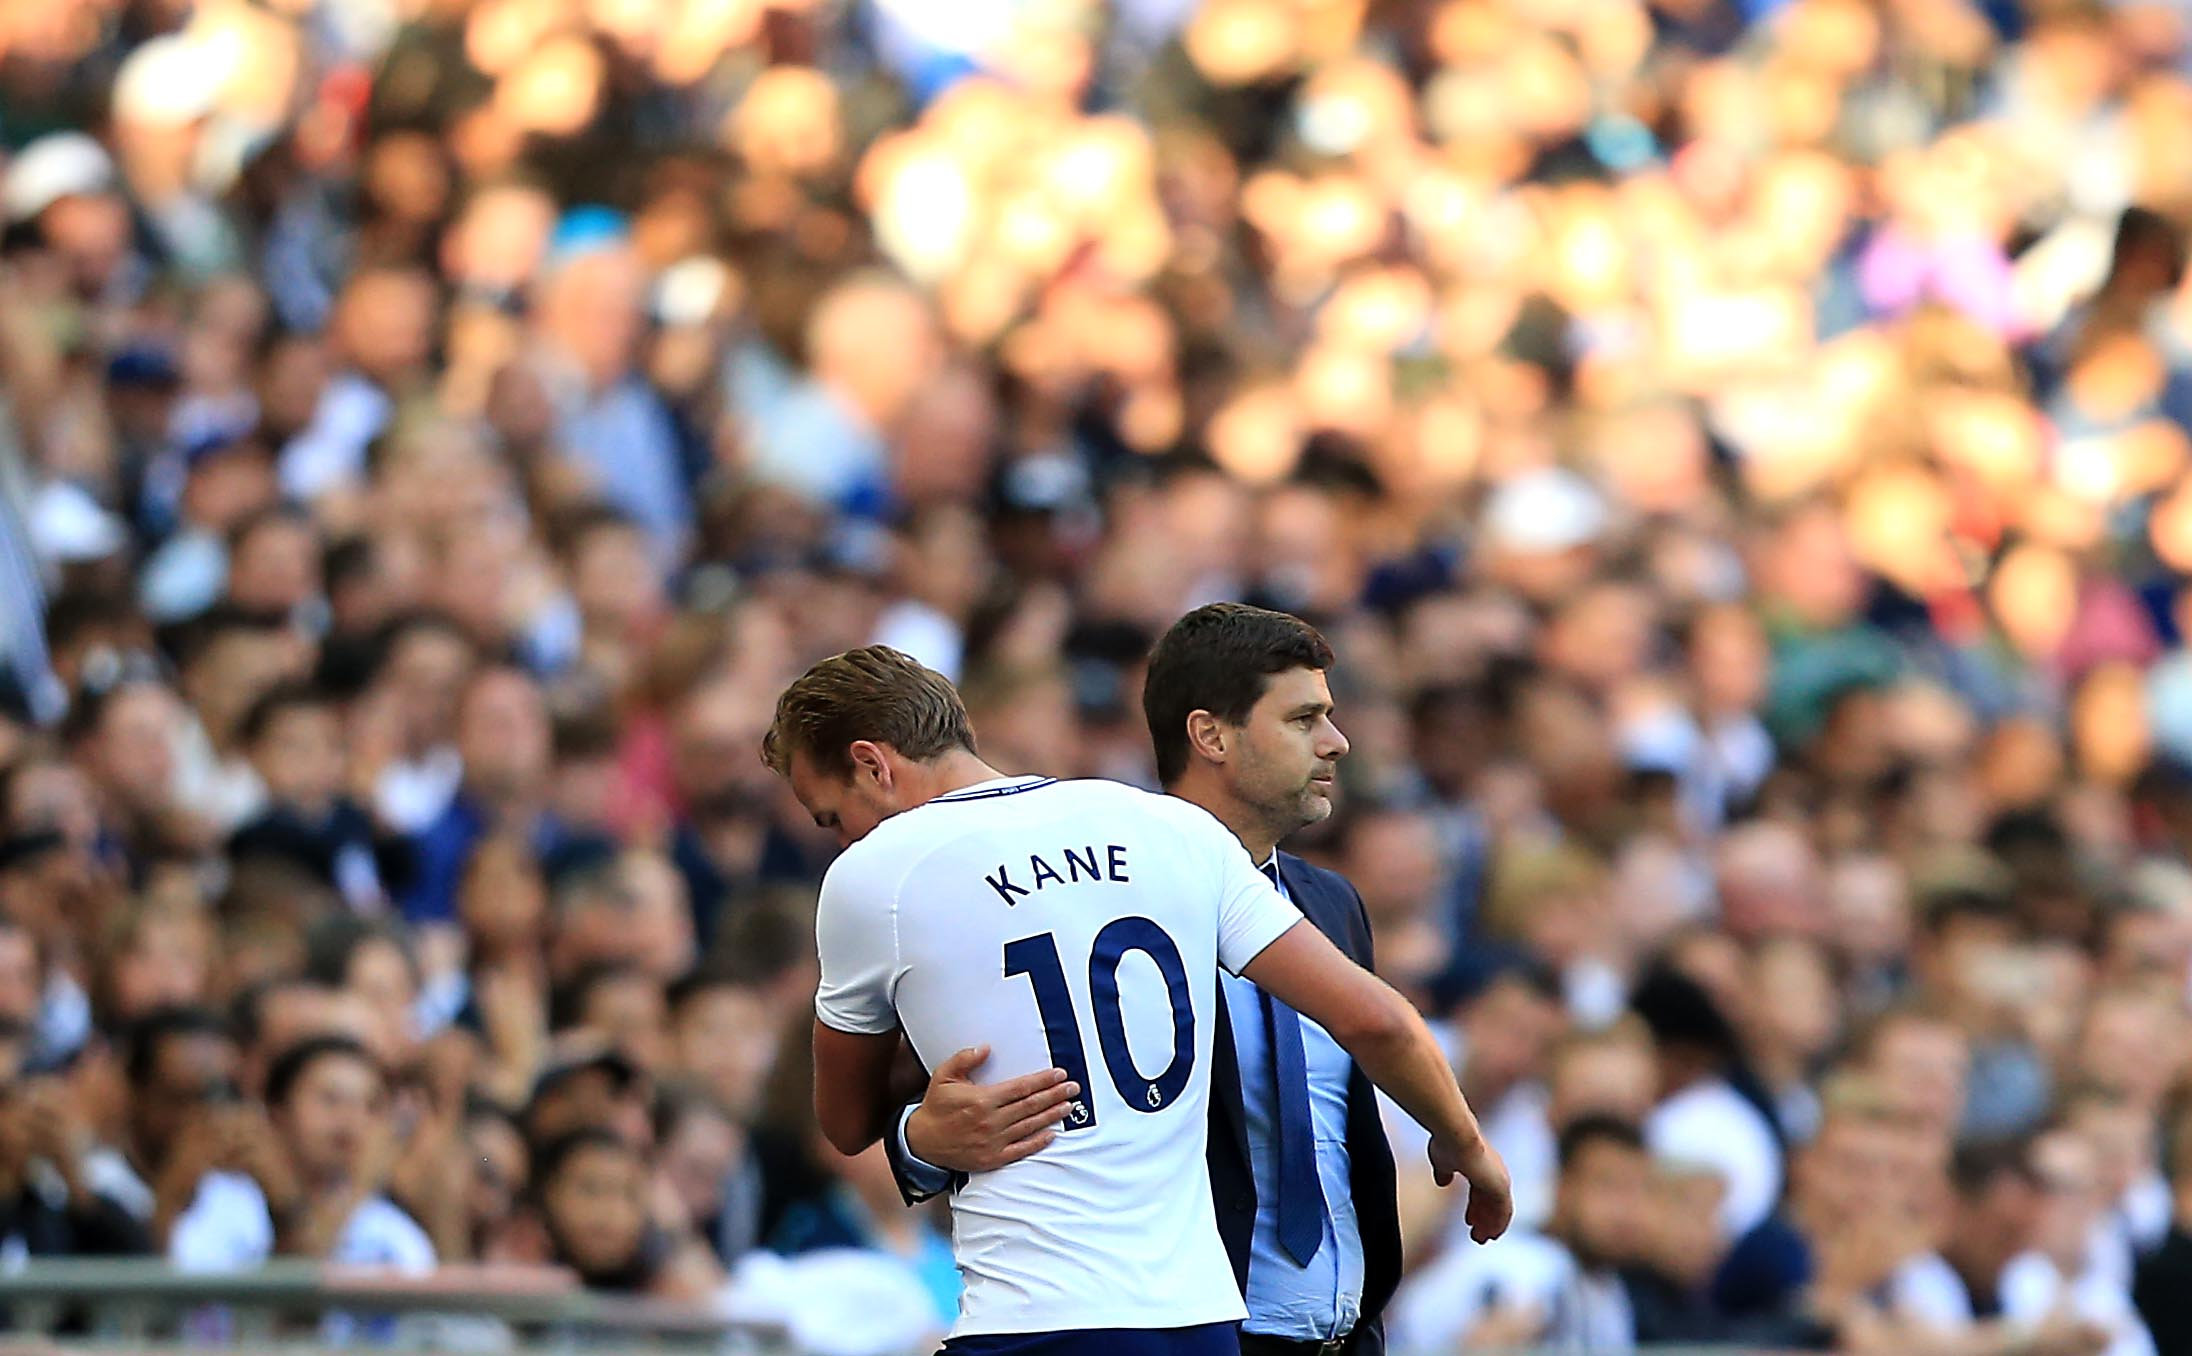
[549, 1161]
[1978, 1164]
[291, 1064]
[1585, 1131]
[567, 1001]
[272, 515]
[1219, 659]
[702, 980]
[278, 701]
[1680, 1012]
[161, 1025]
[333, 942]
[874, 693]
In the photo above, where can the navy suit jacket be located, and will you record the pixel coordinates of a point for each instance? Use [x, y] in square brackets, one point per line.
[1328, 901]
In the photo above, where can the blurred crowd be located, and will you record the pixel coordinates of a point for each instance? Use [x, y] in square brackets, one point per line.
[1738, 448]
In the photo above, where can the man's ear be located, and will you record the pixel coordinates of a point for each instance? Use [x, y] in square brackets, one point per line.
[869, 763]
[1206, 736]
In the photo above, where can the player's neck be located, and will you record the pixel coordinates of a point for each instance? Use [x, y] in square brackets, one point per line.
[955, 771]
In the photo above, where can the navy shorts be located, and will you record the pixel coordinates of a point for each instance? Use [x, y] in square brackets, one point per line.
[1209, 1339]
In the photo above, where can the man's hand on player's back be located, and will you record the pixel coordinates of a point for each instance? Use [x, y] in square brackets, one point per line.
[965, 1126]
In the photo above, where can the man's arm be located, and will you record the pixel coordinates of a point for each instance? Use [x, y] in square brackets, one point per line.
[852, 1086]
[1382, 1032]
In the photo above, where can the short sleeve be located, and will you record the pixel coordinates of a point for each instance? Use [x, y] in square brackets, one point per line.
[856, 935]
[1252, 914]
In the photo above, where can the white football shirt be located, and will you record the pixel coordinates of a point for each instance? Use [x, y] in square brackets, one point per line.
[1077, 924]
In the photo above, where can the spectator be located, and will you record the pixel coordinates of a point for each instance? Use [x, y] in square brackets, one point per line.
[293, 735]
[592, 1194]
[1561, 1289]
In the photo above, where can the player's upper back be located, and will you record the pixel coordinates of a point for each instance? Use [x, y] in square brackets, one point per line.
[1098, 868]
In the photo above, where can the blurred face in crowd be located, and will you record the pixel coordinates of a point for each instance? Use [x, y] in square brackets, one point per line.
[300, 757]
[167, 961]
[697, 1157]
[589, 308]
[504, 900]
[382, 976]
[131, 756]
[2069, 1179]
[2131, 1042]
[1868, 907]
[503, 736]
[1681, 1231]
[1924, 1064]
[426, 673]
[596, 1207]
[627, 1010]
[384, 323]
[1508, 1029]
[1797, 1007]
[235, 669]
[275, 566]
[329, 1119]
[2122, 1139]
[1602, 1201]
[1996, 1220]
[498, 1174]
[186, 1071]
[1860, 1166]
[726, 1041]
[1770, 882]
[874, 341]
[1602, 1077]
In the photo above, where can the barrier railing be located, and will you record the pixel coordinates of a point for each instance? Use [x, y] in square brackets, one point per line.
[139, 1302]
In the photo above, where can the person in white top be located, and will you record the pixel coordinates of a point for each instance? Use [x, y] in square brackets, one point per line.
[1072, 927]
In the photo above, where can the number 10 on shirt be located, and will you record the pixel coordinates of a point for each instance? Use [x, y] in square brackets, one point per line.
[1037, 958]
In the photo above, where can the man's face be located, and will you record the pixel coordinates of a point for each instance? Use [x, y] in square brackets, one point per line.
[1509, 1028]
[1288, 750]
[696, 1160]
[134, 754]
[726, 1043]
[300, 756]
[503, 735]
[1853, 1169]
[2069, 1176]
[186, 1071]
[330, 1114]
[1602, 1199]
[597, 1207]
[427, 673]
[1925, 1065]
[628, 1011]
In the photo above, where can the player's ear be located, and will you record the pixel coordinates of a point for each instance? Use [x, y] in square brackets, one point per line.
[868, 762]
[1206, 736]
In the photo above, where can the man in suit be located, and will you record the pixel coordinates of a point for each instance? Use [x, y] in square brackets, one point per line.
[1300, 1169]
